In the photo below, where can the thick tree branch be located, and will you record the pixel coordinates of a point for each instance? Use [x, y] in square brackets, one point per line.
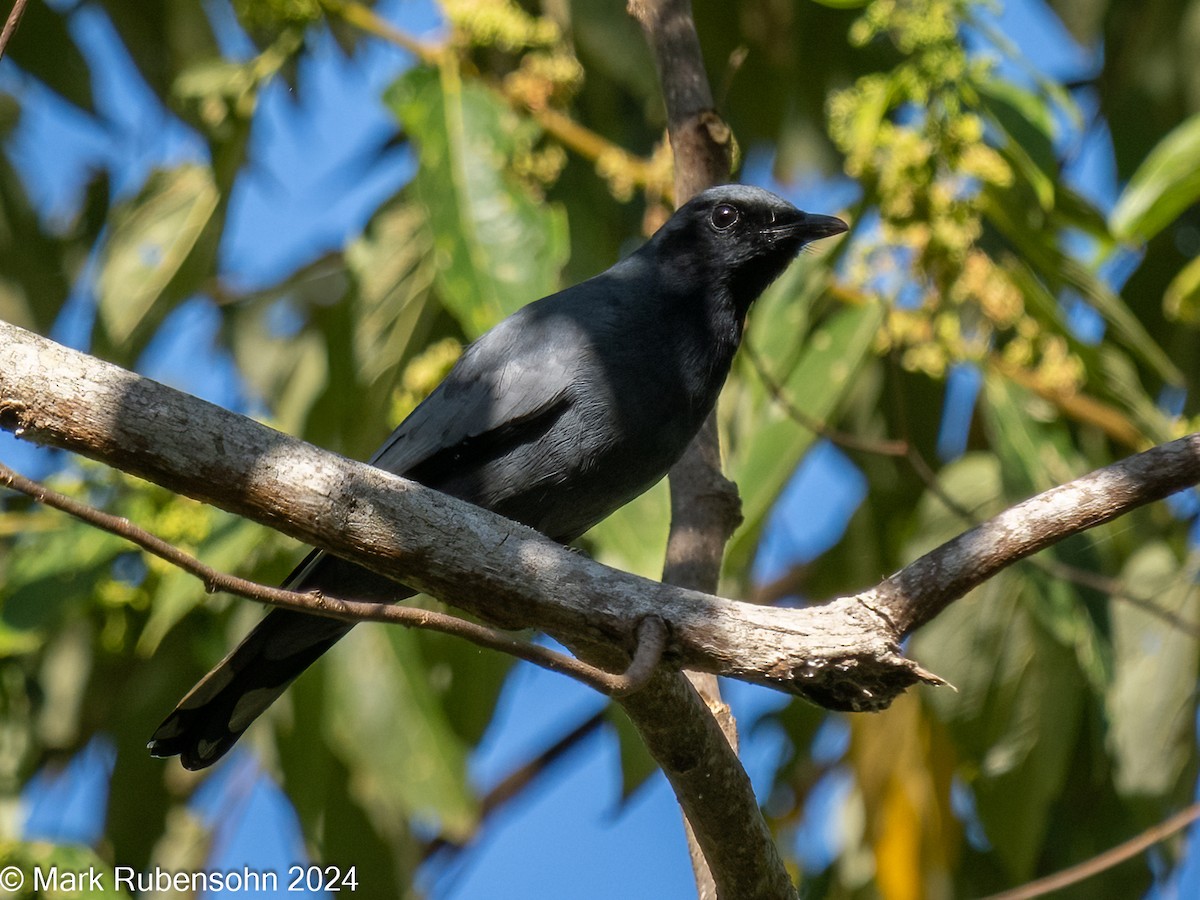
[510, 574]
[843, 655]
[464, 555]
[731, 849]
[923, 588]
[652, 633]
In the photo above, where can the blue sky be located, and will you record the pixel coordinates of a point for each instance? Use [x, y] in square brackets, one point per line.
[560, 838]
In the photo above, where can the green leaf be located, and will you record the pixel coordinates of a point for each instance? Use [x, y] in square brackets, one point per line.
[466, 680]
[152, 236]
[1024, 114]
[1026, 120]
[216, 93]
[1016, 716]
[1017, 708]
[1164, 185]
[1061, 104]
[1123, 381]
[178, 593]
[1076, 211]
[1152, 700]
[391, 730]
[163, 39]
[496, 246]
[52, 572]
[35, 270]
[291, 370]
[634, 538]
[1181, 300]
[833, 354]
[393, 269]
[611, 47]
[1061, 271]
[1034, 457]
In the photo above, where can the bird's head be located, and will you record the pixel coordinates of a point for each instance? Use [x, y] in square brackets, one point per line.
[740, 237]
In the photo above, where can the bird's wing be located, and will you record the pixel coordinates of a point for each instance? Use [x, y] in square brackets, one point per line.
[511, 379]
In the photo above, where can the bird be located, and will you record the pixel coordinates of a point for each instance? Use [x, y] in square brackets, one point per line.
[556, 417]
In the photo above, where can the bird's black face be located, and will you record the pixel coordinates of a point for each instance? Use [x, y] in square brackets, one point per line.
[747, 236]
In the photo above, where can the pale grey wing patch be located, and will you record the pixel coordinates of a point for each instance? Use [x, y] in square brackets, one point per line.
[479, 400]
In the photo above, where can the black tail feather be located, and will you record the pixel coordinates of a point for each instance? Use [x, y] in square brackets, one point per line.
[210, 719]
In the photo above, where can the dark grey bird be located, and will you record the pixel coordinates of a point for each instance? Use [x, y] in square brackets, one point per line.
[562, 413]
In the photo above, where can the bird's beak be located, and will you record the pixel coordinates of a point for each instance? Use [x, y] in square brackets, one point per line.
[815, 226]
[805, 226]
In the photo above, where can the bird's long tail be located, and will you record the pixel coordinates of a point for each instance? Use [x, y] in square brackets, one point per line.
[213, 715]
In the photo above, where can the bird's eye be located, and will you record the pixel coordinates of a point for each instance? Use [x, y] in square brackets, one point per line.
[724, 216]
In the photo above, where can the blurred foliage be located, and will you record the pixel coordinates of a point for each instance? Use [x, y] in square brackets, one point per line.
[537, 135]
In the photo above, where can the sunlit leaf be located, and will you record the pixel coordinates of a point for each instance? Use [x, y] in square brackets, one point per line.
[1062, 271]
[1165, 184]
[1153, 689]
[152, 235]
[391, 731]
[903, 763]
[1019, 697]
[831, 357]
[496, 246]
[1181, 300]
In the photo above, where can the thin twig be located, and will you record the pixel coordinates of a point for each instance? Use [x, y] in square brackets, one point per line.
[516, 781]
[10, 26]
[366, 19]
[840, 438]
[1054, 567]
[1104, 861]
[1078, 406]
[652, 632]
[652, 641]
[1113, 588]
[578, 138]
[926, 586]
